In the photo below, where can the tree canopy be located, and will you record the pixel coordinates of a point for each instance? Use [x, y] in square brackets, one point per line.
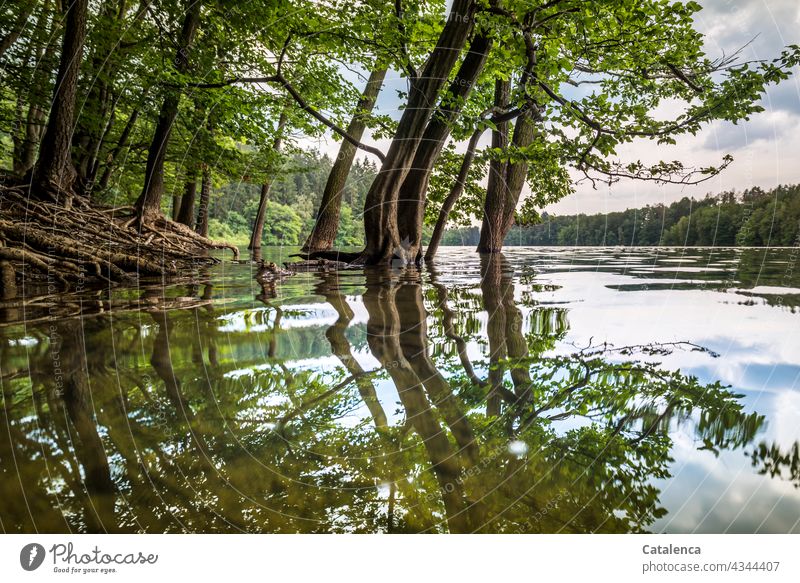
[156, 103]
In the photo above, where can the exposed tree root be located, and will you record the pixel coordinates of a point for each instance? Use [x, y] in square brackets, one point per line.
[46, 242]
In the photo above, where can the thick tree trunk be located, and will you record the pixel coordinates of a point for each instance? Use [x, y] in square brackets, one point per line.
[121, 145]
[54, 170]
[327, 223]
[382, 235]
[205, 198]
[503, 194]
[496, 184]
[261, 215]
[411, 201]
[453, 195]
[186, 209]
[148, 205]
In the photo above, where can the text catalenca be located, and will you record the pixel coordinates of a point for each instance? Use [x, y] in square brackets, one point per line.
[669, 550]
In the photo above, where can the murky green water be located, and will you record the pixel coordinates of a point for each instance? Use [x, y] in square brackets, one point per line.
[551, 390]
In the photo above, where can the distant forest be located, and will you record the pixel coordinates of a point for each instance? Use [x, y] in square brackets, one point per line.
[294, 197]
[753, 218]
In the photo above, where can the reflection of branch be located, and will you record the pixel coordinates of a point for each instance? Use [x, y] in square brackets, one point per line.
[565, 392]
[449, 329]
[310, 404]
[341, 348]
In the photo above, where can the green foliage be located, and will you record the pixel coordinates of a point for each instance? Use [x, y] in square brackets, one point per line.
[596, 74]
[297, 187]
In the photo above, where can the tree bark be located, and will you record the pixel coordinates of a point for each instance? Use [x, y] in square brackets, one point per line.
[411, 201]
[382, 235]
[186, 209]
[54, 170]
[205, 198]
[502, 193]
[25, 156]
[493, 205]
[258, 225]
[453, 195]
[327, 224]
[148, 205]
[261, 215]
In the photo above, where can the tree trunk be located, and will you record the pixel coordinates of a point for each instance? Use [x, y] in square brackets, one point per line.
[148, 205]
[502, 194]
[382, 234]
[121, 144]
[411, 201]
[16, 29]
[327, 223]
[186, 209]
[493, 205]
[36, 118]
[54, 170]
[205, 197]
[99, 108]
[453, 195]
[93, 162]
[258, 226]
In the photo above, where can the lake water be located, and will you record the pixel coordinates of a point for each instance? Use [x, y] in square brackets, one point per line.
[547, 390]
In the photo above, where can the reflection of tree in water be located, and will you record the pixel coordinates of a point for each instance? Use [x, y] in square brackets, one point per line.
[777, 462]
[165, 427]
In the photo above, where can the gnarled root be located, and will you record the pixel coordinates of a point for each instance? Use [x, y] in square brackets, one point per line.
[84, 244]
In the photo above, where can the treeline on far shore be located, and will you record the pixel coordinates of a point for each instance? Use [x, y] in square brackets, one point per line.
[753, 218]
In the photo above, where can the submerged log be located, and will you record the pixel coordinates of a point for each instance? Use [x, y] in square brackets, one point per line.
[316, 265]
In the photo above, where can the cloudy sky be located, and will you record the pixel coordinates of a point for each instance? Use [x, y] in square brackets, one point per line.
[765, 149]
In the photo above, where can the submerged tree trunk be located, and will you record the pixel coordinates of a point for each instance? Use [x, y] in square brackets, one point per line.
[493, 205]
[327, 223]
[205, 198]
[411, 200]
[148, 205]
[453, 195]
[502, 193]
[261, 215]
[382, 233]
[54, 170]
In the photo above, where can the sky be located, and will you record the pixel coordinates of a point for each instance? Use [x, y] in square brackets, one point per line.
[765, 149]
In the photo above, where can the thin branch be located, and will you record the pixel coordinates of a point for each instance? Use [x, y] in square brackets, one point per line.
[301, 102]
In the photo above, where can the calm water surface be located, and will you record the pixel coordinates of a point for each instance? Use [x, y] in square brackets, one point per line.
[548, 390]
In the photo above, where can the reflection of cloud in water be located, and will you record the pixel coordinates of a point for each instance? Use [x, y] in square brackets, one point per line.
[724, 494]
